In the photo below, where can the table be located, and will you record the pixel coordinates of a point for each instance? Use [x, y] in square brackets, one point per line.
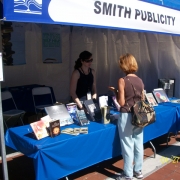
[177, 106]
[166, 121]
[65, 154]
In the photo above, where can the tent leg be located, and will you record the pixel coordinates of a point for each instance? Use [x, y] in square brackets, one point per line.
[2, 143]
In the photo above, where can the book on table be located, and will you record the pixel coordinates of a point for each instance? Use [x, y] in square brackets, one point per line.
[175, 100]
[150, 99]
[93, 110]
[40, 129]
[59, 112]
[54, 128]
[72, 108]
[82, 118]
[160, 95]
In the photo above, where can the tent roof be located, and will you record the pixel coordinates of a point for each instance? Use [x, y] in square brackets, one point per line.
[161, 16]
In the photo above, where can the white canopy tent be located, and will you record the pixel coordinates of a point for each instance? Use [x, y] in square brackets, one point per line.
[154, 51]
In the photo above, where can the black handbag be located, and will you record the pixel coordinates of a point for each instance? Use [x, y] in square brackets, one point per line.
[143, 113]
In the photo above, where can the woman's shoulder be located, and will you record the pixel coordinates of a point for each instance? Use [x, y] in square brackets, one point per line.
[76, 72]
[92, 70]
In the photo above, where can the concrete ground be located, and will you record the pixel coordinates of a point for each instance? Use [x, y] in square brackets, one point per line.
[165, 166]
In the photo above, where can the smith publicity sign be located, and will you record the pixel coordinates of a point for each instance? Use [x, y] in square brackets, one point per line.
[120, 11]
[117, 14]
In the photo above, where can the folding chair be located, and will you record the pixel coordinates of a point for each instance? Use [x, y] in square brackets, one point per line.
[42, 97]
[13, 113]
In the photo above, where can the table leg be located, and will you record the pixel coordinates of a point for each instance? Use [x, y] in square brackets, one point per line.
[154, 149]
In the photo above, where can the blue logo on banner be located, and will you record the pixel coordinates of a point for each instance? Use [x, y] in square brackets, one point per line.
[28, 6]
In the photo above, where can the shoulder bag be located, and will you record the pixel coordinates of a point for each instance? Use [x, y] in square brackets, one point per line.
[143, 113]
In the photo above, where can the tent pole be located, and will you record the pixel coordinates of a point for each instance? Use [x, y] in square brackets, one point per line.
[3, 152]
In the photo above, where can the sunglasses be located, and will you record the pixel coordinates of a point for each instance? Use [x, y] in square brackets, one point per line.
[88, 60]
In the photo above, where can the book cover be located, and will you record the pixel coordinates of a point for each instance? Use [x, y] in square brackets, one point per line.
[46, 120]
[82, 118]
[160, 95]
[84, 130]
[54, 128]
[93, 110]
[72, 108]
[150, 99]
[39, 128]
[59, 112]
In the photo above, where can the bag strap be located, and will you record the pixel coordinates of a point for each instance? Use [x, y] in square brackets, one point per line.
[135, 91]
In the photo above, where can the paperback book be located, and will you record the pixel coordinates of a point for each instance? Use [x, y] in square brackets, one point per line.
[54, 128]
[75, 131]
[93, 110]
[160, 95]
[59, 112]
[40, 129]
[46, 119]
[72, 108]
[82, 118]
[150, 99]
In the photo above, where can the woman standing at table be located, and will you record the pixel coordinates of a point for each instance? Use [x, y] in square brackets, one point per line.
[83, 79]
[131, 137]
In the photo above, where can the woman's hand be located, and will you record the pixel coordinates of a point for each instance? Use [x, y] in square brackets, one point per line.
[113, 89]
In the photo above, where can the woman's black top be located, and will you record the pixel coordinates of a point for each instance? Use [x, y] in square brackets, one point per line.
[84, 84]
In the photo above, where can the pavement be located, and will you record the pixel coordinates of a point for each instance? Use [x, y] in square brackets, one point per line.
[164, 164]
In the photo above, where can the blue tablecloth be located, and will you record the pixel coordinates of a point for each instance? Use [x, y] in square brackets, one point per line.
[65, 154]
[165, 122]
[177, 106]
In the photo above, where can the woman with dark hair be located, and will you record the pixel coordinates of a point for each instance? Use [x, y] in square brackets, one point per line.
[83, 80]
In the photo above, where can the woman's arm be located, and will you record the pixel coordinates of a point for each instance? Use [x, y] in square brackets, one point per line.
[73, 86]
[94, 90]
[120, 96]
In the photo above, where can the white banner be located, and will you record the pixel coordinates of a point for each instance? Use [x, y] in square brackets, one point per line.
[121, 14]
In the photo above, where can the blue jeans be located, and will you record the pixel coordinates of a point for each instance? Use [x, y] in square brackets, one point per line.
[131, 139]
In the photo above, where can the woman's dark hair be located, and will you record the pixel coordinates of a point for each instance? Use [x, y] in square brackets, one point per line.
[82, 56]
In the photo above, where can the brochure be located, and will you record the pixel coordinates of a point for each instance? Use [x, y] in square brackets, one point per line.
[103, 101]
